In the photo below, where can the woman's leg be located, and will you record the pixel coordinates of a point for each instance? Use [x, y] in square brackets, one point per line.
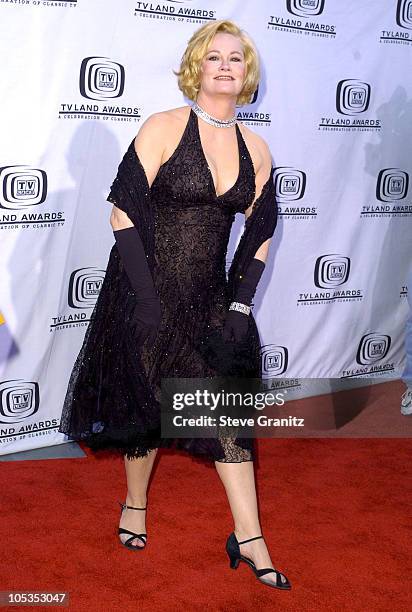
[239, 482]
[137, 475]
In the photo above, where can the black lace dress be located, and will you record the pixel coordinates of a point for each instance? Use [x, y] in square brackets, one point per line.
[113, 396]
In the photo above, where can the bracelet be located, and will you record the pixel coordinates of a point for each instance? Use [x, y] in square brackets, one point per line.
[240, 307]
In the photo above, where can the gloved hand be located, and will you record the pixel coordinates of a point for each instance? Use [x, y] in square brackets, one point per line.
[147, 314]
[236, 323]
[236, 326]
[146, 321]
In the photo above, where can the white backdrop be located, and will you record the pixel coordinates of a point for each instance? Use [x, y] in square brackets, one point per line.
[334, 104]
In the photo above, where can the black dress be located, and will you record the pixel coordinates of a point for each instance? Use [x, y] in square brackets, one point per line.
[104, 405]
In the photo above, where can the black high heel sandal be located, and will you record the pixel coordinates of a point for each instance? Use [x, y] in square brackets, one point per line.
[142, 536]
[235, 557]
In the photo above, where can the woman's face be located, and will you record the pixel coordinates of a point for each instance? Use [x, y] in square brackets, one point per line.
[223, 67]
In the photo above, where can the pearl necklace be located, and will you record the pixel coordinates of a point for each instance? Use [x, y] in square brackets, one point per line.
[220, 123]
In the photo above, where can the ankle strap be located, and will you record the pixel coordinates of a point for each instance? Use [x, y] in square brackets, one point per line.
[251, 539]
[131, 507]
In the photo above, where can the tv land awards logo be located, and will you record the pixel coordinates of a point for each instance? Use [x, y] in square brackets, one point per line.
[19, 399]
[331, 271]
[392, 185]
[83, 290]
[19, 402]
[22, 187]
[305, 8]
[404, 14]
[101, 79]
[84, 287]
[43, 3]
[102, 84]
[403, 19]
[174, 10]
[274, 360]
[372, 350]
[392, 189]
[352, 101]
[352, 97]
[290, 186]
[301, 18]
[22, 190]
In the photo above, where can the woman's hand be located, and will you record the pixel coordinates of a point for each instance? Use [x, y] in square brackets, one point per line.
[146, 315]
[146, 321]
[236, 326]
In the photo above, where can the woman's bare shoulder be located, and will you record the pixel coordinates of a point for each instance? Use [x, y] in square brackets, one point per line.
[179, 113]
[152, 142]
[165, 121]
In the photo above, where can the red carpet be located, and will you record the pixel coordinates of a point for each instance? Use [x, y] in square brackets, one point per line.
[334, 512]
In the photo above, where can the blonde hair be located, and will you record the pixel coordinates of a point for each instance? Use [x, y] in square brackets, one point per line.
[189, 72]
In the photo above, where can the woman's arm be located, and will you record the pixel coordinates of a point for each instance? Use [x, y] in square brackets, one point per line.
[264, 166]
[146, 317]
[149, 146]
[236, 323]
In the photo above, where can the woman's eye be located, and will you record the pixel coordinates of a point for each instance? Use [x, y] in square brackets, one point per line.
[213, 57]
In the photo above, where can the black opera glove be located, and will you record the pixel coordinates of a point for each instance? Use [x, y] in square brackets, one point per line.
[237, 322]
[147, 314]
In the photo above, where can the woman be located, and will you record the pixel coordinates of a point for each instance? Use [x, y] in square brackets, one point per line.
[166, 308]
